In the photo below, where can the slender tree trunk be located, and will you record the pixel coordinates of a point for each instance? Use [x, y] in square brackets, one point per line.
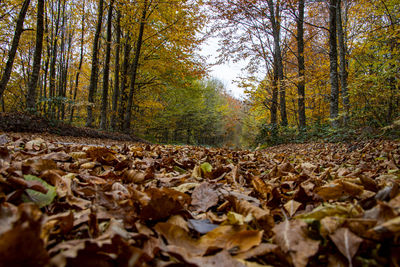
[301, 66]
[46, 65]
[106, 75]
[52, 87]
[95, 66]
[61, 65]
[37, 58]
[274, 104]
[66, 70]
[343, 61]
[135, 66]
[14, 46]
[80, 64]
[334, 101]
[116, 78]
[274, 18]
[124, 82]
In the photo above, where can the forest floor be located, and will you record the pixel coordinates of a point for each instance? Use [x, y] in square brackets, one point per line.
[21, 122]
[66, 201]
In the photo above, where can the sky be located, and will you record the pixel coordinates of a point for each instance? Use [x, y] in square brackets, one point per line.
[227, 72]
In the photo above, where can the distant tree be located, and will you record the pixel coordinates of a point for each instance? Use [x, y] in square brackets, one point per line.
[95, 66]
[135, 66]
[343, 55]
[37, 58]
[334, 100]
[14, 46]
[301, 65]
[116, 93]
[106, 74]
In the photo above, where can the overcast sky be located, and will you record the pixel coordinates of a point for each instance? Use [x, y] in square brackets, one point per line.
[224, 72]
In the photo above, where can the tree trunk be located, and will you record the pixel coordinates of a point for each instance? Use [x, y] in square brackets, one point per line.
[334, 101]
[80, 64]
[343, 61]
[124, 83]
[274, 18]
[95, 66]
[116, 78]
[14, 46]
[37, 58]
[52, 87]
[61, 65]
[106, 75]
[43, 105]
[66, 70]
[135, 66]
[274, 104]
[301, 66]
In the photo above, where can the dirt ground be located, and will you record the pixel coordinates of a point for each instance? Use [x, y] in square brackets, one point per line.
[29, 125]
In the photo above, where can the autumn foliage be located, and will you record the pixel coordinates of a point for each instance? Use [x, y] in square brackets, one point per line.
[64, 204]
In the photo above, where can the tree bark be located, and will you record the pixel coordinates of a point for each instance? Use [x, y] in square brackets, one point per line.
[52, 87]
[124, 83]
[37, 58]
[43, 105]
[80, 64]
[14, 46]
[334, 101]
[135, 66]
[301, 66]
[95, 66]
[274, 18]
[62, 64]
[343, 61]
[106, 75]
[116, 78]
[274, 104]
[65, 75]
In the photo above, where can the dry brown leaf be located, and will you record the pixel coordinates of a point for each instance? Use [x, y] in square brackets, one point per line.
[88, 165]
[228, 237]
[292, 238]
[21, 245]
[204, 197]
[163, 203]
[232, 237]
[330, 191]
[347, 243]
[292, 206]
[177, 236]
[262, 249]
[58, 156]
[262, 188]
[351, 188]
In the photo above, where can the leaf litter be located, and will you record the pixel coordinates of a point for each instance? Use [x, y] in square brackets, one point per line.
[138, 204]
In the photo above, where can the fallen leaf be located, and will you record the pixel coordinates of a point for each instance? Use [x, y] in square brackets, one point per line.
[201, 226]
[204, 197]
[261, 188]
[163, 203]
[292, 206]
[347, 243]
[292, 238]
[21, 244]
[40, 199]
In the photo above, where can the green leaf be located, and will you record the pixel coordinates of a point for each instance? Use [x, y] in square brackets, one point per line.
[206, 167]
[40, 199]
[326, 210]
[179, 169]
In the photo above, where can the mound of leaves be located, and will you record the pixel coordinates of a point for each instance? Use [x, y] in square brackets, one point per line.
[23, 122]
[152, 205]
